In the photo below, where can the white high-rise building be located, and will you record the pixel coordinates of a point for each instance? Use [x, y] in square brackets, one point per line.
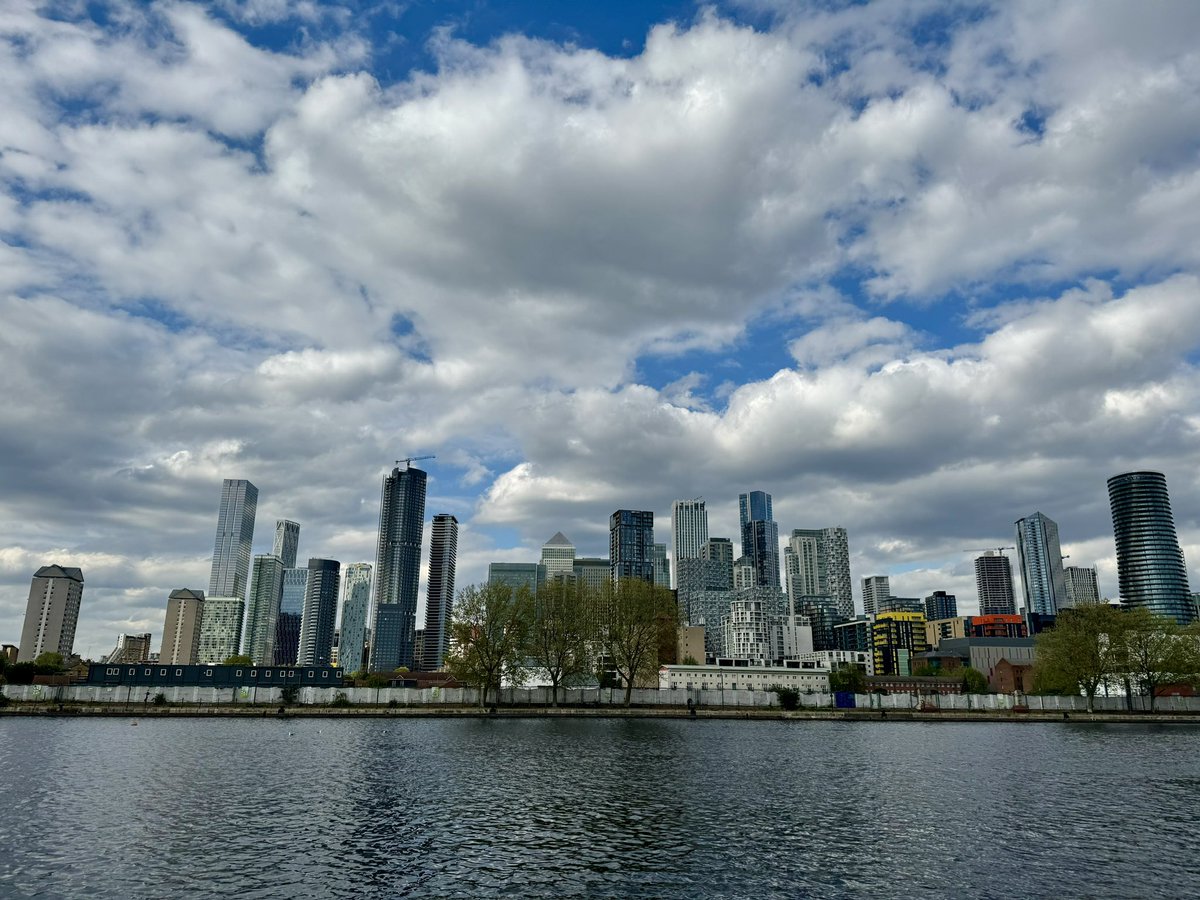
[52, 612]
[875, 590]
[220, 629]
[235, 533]
[558, 556]
[818, 563]
[689, 531]
[1082, 586]
[356, 603]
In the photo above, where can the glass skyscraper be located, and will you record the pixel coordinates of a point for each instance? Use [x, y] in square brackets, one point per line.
[235, 533]
[760, 537]
[439, 600]
[287, 539]
[398, 569]
[1150, 565]
[356, 605]
[1039, 557]
[689, 531]
[262, 610]
[631, 544]
[320, 613]
[291, 611]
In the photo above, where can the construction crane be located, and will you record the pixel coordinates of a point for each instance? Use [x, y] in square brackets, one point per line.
[999, 550]
[409, 460]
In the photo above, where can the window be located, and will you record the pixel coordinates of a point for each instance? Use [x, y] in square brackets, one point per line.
[179, 673]
[162, 671]
[238, 673]
[254, 673]
[324, 674]
[310, 674]
[208, 673]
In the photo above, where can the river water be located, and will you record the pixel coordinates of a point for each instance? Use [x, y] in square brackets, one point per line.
[315, 808]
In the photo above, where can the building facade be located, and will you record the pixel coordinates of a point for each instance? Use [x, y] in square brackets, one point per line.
[940, 605]
[558, 556]
[235, 534]
[993, 580]
[897, 637]
[131, 648]
[1082, 585]
[220, 629]
[875, 589]
[356, 606]
[662, 566]
[689, 531]
[1039, 560]
[1150, 565]
[291, 612]
[720, 550]
[262, 609]
[439, 599]
[631, 544]
[51, 612]
[760, 537]
[518, 574]
[320, 612]
[398, 569]
[818, 563]
[181, 630]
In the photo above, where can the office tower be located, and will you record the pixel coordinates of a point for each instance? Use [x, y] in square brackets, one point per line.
[235, 533]
[631, 544]
[181, 630]
[592, 571]
[439, 601]
[940, 605]
[398, 569]
[320, 613]
[558, 555]
[220, 629]
[131, 648]
[1150, 566]
[1039, 559]
[52, 612]
[262, 609]
[517, 574]
[1082, 586]
[993, 580]
[760, 537]
[720, 550]
[662, 566]
[291, 612]
[819, 564]
[287, 539]
[689, 530]
[356, 604]
[875, 589]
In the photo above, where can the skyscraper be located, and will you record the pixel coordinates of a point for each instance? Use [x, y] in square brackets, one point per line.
[291, 612]
[235, 533]
[320, 612]
[262, 609]
[52, 612]
[760, 537]
[689, 531]
[662, 566]
[287, 539]
[356, 604]
[720, 550]
[1082, 586]
[993, 580]
[181, 630]
[1039, 558]
[558, 555]
[398, 569]
[1150, 565]
[439, 600]
[631, 544]
[819, 565]
[940, 605]
[875, 589]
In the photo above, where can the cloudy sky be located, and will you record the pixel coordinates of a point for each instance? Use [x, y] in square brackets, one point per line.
[913, 268]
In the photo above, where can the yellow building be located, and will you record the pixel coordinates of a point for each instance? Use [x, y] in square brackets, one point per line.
[896, 638]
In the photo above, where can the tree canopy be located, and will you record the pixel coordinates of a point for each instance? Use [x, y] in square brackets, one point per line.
[489, 631]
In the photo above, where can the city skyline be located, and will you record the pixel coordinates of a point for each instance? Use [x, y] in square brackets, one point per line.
[835, 253]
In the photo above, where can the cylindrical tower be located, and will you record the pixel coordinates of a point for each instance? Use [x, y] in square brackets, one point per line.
[1150, 565]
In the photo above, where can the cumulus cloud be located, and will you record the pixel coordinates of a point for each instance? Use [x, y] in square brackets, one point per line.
[957, 277]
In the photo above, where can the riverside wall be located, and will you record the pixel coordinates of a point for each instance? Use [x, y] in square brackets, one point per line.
[434, 698]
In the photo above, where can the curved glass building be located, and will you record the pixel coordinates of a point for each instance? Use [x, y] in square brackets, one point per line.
[1150, 564]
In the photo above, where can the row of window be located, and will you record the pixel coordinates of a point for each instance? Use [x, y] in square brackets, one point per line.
[283, 673]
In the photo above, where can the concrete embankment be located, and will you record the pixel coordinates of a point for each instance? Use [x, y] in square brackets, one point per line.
[151, 711]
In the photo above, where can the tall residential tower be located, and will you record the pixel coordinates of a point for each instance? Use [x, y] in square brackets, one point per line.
[235, 533]
[52, 612]
[1039, 557]
[398, 569]
[439, 600]
[1150, 565]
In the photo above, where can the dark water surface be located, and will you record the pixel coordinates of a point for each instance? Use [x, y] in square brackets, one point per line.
[595, 808]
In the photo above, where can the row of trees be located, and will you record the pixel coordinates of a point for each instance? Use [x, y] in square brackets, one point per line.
[48, 663]
[1099, 646]
[568, 630]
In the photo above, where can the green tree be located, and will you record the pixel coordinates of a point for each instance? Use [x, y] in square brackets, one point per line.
[926, 671]
[561, 632]
[1082, 652]
[973, 681]
[489, 630]
[1156, 651]
[848, 677]
[639, 617]
[237, 660]
[49, 663]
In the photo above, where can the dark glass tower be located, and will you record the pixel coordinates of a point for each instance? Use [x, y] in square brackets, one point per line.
[760, 537]
[443, 554]
[1150, 565]
[631, 544]
[291, 611]
[320, 612]
[398, 569]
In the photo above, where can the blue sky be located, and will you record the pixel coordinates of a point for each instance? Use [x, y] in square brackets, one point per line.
[915, 269]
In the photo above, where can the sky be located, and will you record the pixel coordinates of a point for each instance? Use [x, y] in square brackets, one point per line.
[916, 269]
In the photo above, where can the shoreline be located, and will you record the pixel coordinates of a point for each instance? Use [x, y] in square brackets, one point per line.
[262, 711]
